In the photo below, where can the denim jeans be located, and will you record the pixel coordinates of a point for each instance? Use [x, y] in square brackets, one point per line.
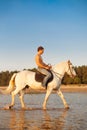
[45, 72]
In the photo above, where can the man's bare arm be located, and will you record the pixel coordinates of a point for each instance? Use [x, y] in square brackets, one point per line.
[40, 63]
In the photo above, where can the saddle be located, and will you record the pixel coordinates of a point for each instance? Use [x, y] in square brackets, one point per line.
[39, 77]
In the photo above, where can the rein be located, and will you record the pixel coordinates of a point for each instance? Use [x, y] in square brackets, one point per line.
[57, 74]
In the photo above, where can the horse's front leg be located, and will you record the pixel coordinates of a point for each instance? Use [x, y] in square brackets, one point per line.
[46, 98]
[63, 99]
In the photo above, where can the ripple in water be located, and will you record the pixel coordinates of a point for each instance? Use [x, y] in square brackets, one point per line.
[54, 118]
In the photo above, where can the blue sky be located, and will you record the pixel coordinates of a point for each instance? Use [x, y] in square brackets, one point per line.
[60, 26]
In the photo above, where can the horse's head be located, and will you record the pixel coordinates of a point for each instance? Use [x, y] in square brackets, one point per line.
[64, 67]
[70, 69]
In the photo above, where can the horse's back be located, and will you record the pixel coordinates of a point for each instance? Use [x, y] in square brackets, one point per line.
[25, 72]
[24, 76]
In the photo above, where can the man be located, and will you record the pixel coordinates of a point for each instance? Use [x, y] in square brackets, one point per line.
[42, 67]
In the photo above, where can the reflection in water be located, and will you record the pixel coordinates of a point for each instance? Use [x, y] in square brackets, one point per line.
[56, 123]
[37, 120]
[17, 120]
[55, 118]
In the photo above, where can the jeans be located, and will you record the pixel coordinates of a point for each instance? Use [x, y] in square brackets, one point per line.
[45, 72]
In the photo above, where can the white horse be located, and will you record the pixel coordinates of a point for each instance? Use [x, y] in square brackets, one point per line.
[21, 79]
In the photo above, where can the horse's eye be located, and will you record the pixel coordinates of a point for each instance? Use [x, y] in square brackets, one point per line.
[72, 67]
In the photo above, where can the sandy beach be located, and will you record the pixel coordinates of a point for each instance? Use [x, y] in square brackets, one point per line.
[74, 88]
[64, 88]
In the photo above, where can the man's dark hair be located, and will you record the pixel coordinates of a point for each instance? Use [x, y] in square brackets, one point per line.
[40, 48]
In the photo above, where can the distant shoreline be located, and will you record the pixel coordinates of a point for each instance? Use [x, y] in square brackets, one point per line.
[74, 88]
[64, 88]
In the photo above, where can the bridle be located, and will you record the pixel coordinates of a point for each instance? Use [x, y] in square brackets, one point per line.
[60, 75]
[69, 63]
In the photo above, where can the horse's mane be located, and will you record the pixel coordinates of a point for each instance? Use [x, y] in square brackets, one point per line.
[59, 64]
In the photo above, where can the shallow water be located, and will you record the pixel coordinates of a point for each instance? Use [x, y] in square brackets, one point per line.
[54, 118]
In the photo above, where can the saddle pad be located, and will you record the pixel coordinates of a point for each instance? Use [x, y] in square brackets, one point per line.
[39, 77]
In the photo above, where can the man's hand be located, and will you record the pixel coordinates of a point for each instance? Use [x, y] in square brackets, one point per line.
[48, 67]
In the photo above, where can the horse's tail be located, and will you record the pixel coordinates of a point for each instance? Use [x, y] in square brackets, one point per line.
[11, 86]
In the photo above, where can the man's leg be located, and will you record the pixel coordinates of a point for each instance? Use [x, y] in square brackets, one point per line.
[48, 75]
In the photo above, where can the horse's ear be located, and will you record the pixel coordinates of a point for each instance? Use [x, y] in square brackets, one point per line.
[69, 62]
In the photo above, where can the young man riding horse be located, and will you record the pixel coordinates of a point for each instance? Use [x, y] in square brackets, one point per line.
[42, 67]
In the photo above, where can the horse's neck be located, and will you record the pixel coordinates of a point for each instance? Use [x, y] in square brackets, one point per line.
[60, 68]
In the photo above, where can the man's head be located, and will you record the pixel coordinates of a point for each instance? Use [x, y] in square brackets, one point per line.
[40, 49]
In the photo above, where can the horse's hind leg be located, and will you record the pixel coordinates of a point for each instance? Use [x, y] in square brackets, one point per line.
[63, 99]
[21, 96]
[13, 98]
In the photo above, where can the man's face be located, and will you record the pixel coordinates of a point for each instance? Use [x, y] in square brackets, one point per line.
[41, 51]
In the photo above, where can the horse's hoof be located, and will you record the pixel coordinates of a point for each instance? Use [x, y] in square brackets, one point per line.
[44, 109]
[26, 108]
[67, 107]
[30, 108]
[7, 107]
